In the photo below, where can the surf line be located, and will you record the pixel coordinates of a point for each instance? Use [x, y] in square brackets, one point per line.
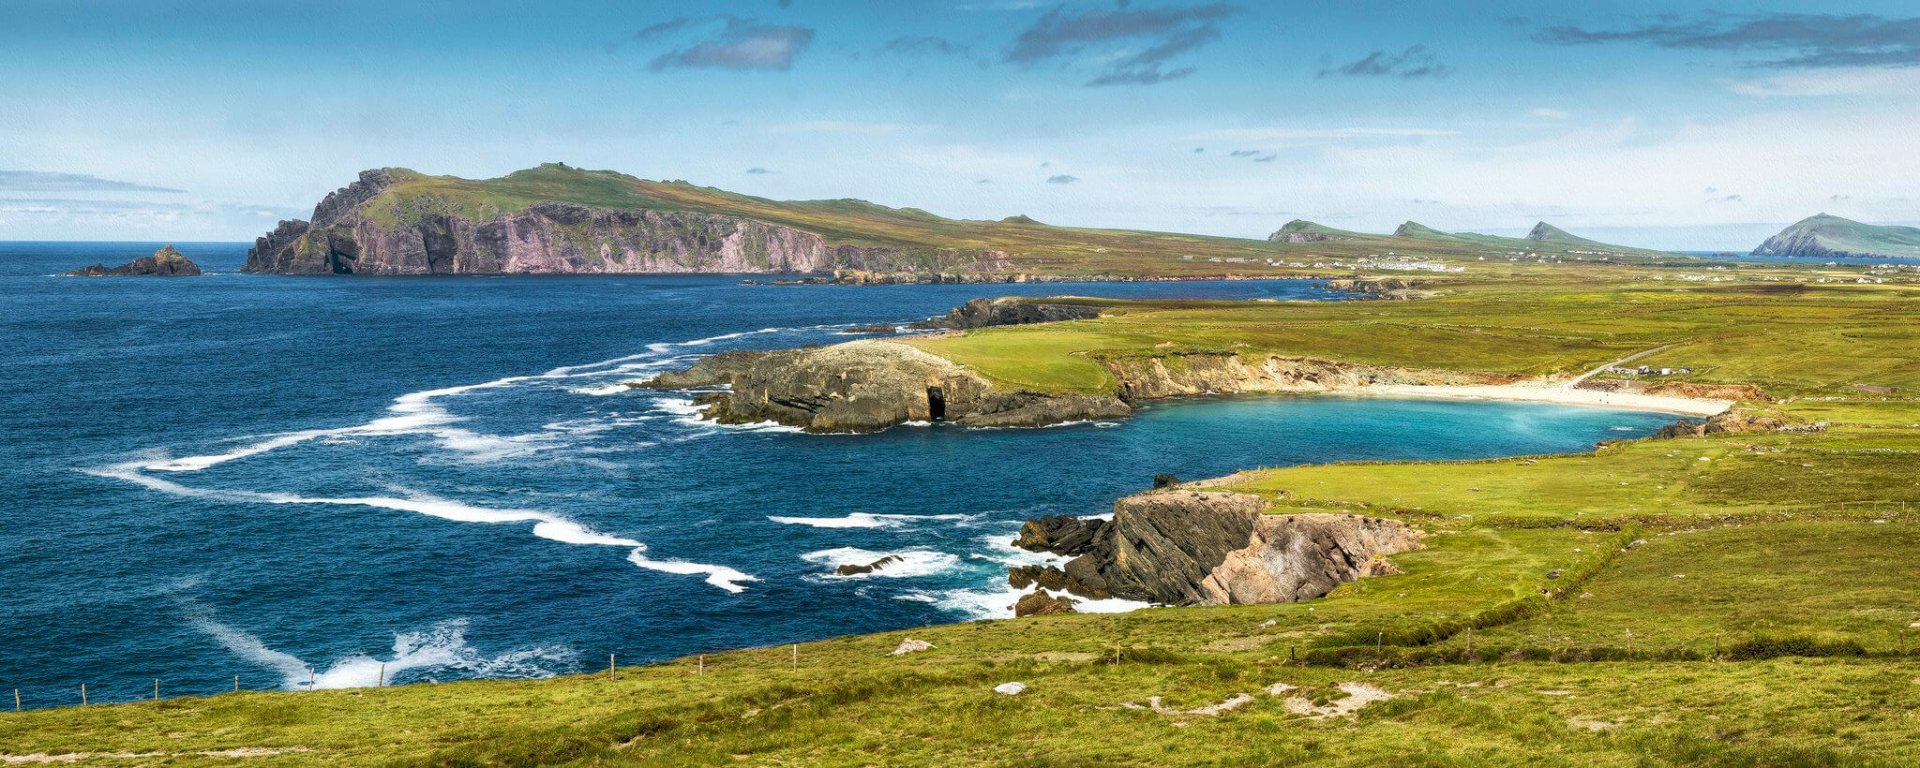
[546, 525]
[421, 413]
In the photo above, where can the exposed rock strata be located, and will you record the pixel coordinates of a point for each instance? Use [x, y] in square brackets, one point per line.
[1738, 421]
[1212, 373]
[166, 262]
[868, 385]
[356, 230]
[1200, 548]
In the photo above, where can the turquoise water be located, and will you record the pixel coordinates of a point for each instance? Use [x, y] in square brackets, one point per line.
[304, 478]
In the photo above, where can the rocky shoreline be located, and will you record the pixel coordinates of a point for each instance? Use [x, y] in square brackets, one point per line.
[166, 262]
[1183, 547]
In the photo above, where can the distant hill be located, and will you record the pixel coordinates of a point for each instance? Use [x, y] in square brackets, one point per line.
[558, 219]
[1543, 237]
[1303, 231]
[1825, 237]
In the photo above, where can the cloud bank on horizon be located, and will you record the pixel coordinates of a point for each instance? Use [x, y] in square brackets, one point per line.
[184, 119]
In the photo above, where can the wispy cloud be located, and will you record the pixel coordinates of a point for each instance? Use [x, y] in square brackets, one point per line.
[1062, 179]
[1791, 40]
[1303, 135]
[1411, 64]
[1549, 113]
[844, 127]
[1833, 82]
[1139, 44]
[757, 171]
[739, 44]
[44, 181]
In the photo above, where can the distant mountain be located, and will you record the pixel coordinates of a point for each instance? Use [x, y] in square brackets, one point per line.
[1543, 237]
[1825, 237]
[1303, 231]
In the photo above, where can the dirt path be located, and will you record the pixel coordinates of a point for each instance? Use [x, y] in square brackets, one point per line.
[1622, 361]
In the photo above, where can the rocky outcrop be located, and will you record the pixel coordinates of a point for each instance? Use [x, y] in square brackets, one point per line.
[1201, 548]
[982, 313]
[868, 385]
[1735, 421]
[857, 569]
[1831, 237]
[1039, 603]
[166, 262]
[1214, 373]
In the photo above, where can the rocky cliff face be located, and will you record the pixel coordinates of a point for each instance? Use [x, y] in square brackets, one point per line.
[863, 386]
[1175, 547]
[1829, 237]
[357, 231]
[166, 262]
[1185, 375]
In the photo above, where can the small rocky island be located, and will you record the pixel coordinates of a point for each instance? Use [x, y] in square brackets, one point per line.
[166, 262]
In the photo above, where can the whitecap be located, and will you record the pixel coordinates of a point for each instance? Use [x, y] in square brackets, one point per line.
[440, 647]
[546, 525]
[602, 390]
[912, 562]
[861, 520]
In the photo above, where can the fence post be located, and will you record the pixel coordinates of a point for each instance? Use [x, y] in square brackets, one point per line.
[310, 674]
[83, 694]
[609, 666]
[381, 682]
[700, 665]
[796, 656]
[16, 699]
[236, 683]
[156, 690]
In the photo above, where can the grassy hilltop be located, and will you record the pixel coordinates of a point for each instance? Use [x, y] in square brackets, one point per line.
[1734, 599]
[1031, 247]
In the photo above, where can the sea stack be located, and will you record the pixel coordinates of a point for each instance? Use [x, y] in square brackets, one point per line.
[166, 262]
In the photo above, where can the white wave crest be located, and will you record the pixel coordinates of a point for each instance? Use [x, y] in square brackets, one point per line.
[862, 520]
[912, 562]
[440, 647]
[546, 525]
[602, 390]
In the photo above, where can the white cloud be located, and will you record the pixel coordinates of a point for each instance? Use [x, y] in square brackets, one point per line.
[1549, 113]
[1833, 82]
[1287, 135]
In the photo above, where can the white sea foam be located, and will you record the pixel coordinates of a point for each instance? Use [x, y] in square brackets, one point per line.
[997, 603]
[912, 563]
[422, 412]
[602, 390]
[862, 520]
[441, 647]
[546, 525]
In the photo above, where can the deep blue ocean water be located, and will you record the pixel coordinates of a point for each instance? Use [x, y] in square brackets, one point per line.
[283, 478]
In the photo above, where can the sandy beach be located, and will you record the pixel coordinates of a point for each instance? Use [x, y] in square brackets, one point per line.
[1561, 394]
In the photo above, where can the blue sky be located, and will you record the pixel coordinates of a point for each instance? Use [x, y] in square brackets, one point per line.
[1671, 124]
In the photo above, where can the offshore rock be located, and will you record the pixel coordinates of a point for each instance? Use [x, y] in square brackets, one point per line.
[982, 313]
[166, 262]
[868, 385]
[1210, 548]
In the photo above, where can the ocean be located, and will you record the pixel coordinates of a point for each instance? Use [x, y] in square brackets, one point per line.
[300, 480]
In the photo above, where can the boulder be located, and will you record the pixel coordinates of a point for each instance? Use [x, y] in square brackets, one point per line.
[1039, 603]
[855, 569]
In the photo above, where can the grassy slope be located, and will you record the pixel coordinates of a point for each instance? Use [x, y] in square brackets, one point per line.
[1505, 641]
[1848, 236]
[1033, 248]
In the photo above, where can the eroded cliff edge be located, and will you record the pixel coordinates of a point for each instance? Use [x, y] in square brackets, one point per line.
[1182, 547]
[376, 226]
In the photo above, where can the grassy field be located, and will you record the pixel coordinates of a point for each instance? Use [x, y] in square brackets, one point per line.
[1728, 600]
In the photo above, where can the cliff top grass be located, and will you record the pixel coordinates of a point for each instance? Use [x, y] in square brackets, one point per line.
[1029, 246]
[1794, 340]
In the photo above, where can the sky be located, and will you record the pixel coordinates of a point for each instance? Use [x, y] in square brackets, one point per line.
[1672, 124]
